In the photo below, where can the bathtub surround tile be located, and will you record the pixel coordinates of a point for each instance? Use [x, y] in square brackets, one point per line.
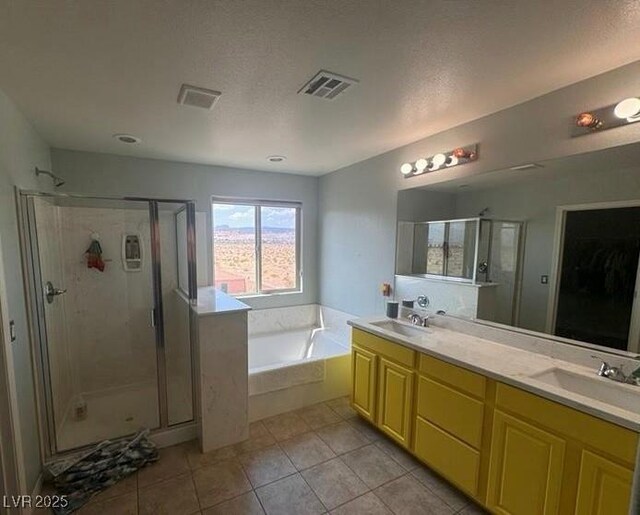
[220, 482]
[289, 496]
[266, 465]
[245, 504]
[222, 373]
[342, 437]
[122, 505]
[172, 461]
[367, 504]
[307, 450]
[407, 496]
[285, 426]
[318, 415]
[276, 320]
[304, 372]
[373, 466]
[175, 496]
[334, 483]
[402, 457]
[449, 494]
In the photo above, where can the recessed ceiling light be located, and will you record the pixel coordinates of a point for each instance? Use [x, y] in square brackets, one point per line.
[127, 138]
[276, 159]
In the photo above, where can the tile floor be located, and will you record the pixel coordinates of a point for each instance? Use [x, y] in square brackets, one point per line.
[320, 459]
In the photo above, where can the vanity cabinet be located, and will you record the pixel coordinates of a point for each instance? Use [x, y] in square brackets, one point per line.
[514, 452]
[604, 487]
[383, 384]
[363, 363]
[526, 468]
[395, 398]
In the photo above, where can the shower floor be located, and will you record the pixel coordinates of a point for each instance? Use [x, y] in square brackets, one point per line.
[123, 411]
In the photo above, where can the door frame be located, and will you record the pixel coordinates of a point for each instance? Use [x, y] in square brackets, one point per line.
[35, 303]
[12, 474]
[633, 343]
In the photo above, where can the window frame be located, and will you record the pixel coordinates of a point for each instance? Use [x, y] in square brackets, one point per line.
[258, 204]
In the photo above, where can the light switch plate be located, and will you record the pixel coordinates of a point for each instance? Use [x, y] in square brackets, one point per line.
[544, 279]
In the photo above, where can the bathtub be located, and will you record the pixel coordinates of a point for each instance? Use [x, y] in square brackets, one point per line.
[298, 356]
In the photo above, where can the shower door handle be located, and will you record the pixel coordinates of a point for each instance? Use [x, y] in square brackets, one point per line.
[51, 292]
[153, 317]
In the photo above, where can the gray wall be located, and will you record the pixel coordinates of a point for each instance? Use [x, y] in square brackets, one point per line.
[358, 255]
[21, 149]
[535, 202]
[106, 174]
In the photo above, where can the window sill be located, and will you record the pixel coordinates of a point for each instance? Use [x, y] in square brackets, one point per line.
[265, 295]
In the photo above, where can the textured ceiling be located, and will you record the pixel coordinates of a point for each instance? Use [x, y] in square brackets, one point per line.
[84, 70]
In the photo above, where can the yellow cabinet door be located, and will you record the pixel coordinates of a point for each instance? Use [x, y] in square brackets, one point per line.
[604, 487]
[395, 390]
[526, 468]
[363, 398]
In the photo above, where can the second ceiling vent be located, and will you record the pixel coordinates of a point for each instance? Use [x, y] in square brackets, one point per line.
[327, 85]
[198, 97]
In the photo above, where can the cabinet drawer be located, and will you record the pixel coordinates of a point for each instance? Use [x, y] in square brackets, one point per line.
[462, 379]
[453, 411]
[395, 351]
[447, 455]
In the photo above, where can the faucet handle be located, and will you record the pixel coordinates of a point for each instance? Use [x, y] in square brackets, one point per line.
[604, 366]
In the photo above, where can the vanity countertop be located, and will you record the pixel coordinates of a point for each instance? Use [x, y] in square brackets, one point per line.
[510, 365]
[212, 301]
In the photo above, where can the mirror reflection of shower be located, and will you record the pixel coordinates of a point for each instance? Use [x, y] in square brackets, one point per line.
[57, 180]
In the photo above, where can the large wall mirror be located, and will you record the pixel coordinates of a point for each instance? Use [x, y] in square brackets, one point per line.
[552, 248]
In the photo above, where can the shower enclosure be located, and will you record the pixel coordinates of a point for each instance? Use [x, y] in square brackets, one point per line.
[112, 326]
[468, 250]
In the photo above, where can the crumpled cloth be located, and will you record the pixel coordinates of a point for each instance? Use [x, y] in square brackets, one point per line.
[81, 477]
[94, 256]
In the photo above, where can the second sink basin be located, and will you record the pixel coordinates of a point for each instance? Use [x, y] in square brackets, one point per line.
[623, 396]
[402, 329]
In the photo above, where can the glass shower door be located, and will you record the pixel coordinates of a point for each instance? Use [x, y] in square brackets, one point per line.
[94, 259]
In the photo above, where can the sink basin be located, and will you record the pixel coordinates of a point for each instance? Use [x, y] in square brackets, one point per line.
[402, 329]
[623, 396]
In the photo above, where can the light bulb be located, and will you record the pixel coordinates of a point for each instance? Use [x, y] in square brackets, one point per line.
[452, 160]
[406, 168]
[439, 160]
[421, 165]
[627, 108]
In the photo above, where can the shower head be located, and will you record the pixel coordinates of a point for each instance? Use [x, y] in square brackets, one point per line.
[57, 180]
[484, 212]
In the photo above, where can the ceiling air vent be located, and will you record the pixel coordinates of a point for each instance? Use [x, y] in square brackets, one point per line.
[198, 97]
[327, 85]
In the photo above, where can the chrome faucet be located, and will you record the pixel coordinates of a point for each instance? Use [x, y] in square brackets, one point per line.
[418, 320]
[617, 374]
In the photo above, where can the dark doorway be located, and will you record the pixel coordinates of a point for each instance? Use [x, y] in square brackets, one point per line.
[598, 276]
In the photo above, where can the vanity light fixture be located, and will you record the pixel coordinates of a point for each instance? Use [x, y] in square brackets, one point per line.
[628, 108]
[421, 165]
[616, 115]
[455, 157]
[406, 169]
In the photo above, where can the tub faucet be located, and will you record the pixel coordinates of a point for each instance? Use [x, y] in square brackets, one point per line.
[418, 320]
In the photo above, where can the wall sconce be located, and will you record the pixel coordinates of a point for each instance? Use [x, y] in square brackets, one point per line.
[455, 157]
[615, 115]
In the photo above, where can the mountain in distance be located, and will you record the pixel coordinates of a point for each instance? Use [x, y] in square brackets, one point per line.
[251, 230]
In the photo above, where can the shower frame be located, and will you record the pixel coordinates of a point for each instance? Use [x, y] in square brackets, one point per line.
[37, 325]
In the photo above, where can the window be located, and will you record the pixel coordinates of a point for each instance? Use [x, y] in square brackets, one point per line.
[445, 248]
[256, 246]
